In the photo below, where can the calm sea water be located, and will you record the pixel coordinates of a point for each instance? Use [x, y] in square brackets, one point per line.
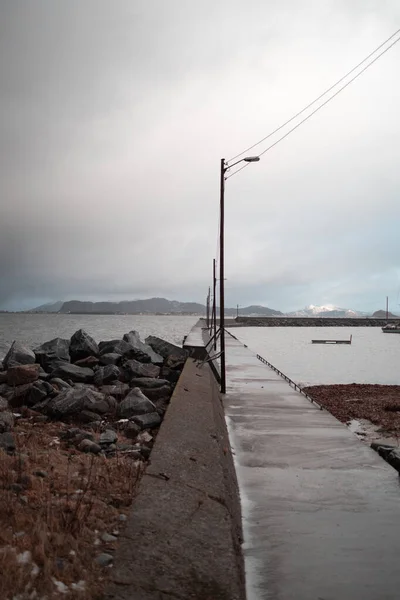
[373, 356]
[36, 329]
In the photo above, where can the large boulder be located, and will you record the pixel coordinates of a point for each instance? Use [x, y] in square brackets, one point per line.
[147, 421]
[18, 354]
[115, 347]
[82, 345]
[133, 338]
[38, 392]
[164, 348]
[111, 358]
[74, 373]
[135, 403]
[133, 368]
[106, 374]
[73, 401]
[52, 352]
[21, 374]
[155, 389]
[118, 391]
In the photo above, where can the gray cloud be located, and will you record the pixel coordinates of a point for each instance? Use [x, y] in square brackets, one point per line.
[113, 118]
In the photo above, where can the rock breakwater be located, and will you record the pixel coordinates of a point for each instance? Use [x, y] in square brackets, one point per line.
[117, 385]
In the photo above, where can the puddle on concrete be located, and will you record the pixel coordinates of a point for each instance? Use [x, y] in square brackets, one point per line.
[368, 432]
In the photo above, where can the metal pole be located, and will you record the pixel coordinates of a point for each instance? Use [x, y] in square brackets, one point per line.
[237, 311]
[222, 277]
[208, 309]
[214, 307]
[387, 309]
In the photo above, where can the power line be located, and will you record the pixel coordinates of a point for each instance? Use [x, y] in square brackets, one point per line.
[318, 107]
[316, 100]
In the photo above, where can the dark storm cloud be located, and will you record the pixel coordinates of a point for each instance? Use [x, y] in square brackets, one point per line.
[113, 117]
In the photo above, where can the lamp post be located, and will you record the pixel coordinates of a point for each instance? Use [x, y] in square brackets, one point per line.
[224, 168]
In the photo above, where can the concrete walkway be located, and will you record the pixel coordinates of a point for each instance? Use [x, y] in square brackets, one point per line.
[321, 510]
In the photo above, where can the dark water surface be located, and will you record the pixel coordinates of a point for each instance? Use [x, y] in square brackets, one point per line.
[34, 329]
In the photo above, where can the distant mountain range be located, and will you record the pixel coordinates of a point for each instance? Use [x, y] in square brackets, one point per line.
[326, 311]
[149, 306]
[164, 306]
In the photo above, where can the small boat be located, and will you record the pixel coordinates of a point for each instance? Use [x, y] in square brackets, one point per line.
[391, 328]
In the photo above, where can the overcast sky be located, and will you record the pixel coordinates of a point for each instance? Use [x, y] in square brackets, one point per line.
[114, 116]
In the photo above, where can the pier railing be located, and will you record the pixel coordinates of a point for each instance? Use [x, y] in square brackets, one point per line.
[292, 383]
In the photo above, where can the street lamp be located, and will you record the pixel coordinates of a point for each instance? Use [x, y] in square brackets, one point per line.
[224, 168]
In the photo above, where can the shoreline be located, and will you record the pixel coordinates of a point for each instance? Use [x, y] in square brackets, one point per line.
[375, 407]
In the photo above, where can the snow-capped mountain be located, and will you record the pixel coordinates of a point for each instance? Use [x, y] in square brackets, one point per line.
[325, 311]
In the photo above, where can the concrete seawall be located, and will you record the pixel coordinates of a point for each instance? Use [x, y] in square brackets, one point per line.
[183, 536]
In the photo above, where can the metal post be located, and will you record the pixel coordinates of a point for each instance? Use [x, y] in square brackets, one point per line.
[208, 310]
[214, 308]
[387, 309]
[237, 311]
[222, 277]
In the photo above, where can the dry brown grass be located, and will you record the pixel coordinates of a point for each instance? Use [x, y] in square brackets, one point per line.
[59, 518]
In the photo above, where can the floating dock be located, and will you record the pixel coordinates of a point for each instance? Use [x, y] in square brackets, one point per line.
[332, 341]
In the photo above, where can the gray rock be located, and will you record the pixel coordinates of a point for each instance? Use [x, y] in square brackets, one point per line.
[18, 354]
[160, 388]
[114, 347]
[38, 392]
[99, 403]
[59, 384]
[147, 421]
[164, 348]
[7, 441]
[73, 373]
[82, 345]
[118, 391]
[3, 404]
[6, 421]
[133, 368]
[74, 432]
[104, 559]
[132, 430]
[170, 374]
[52, 352]
[149, 383]
[3, 376]
[107, 374]
[111, 358]
[75, 400]
[92, 419]
[89, 446]
[108, 437]
[135, 403]
[175, 363]
[133, 338]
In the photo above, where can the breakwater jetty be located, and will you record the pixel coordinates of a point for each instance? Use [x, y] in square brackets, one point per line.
[310, 322]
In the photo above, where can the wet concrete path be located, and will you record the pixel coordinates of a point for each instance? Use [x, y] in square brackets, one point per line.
[321, 510]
